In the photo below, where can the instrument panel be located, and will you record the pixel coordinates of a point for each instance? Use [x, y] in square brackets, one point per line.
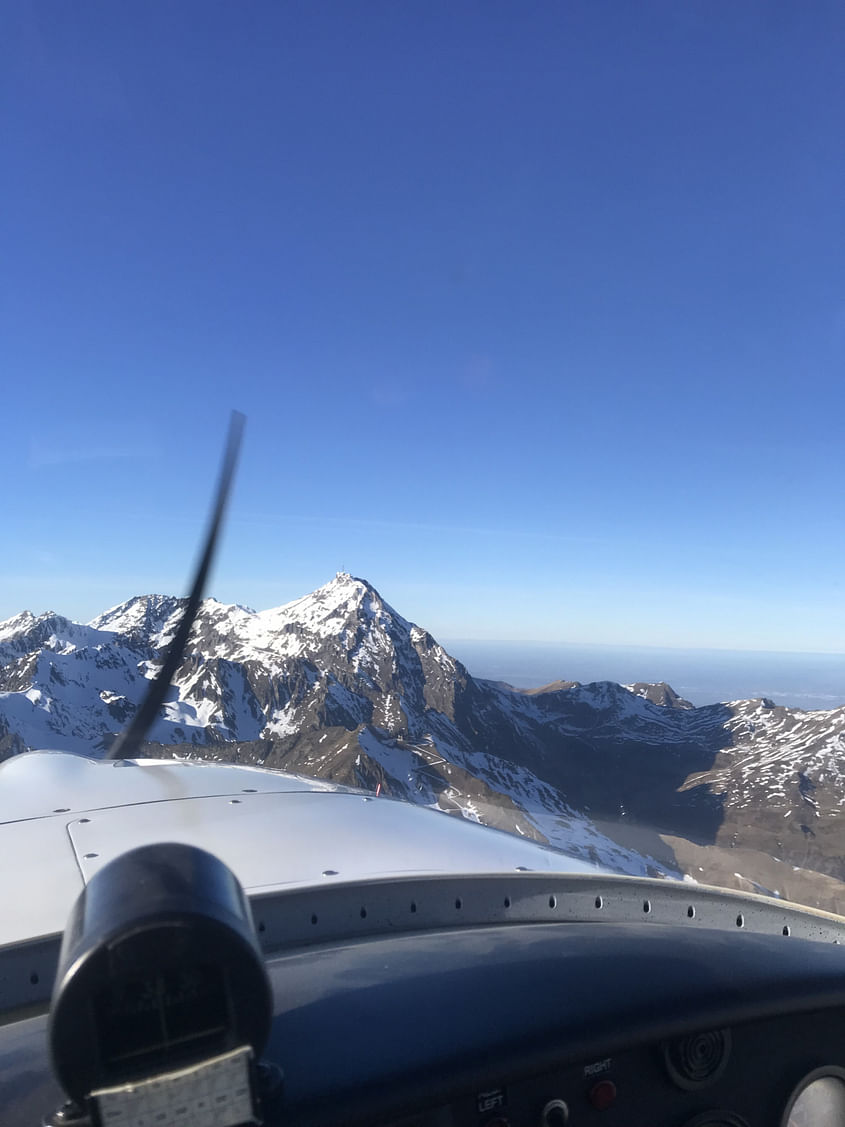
[536, 1025]
[568, 1026]
[763, 1073]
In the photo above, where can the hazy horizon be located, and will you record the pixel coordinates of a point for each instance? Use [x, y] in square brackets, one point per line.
[702, 676]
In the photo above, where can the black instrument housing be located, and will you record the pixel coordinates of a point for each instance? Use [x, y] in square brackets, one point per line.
[159, 967]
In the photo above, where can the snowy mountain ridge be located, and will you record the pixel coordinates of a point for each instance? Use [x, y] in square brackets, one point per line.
[337, 684]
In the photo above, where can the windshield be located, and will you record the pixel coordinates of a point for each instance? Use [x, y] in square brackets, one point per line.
[537, 314]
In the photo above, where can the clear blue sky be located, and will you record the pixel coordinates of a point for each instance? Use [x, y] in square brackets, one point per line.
[536, 310]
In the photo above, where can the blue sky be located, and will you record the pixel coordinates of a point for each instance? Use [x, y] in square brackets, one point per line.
[536, 310]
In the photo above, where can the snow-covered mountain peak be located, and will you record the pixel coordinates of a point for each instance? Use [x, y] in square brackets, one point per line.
[49, 631]
[18, 624]
[343, 593]
[147, 613]
[154, 619]
[343, 602]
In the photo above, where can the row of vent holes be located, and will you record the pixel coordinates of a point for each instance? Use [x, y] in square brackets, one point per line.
[740, 920]
[458, 905]
[507, 903]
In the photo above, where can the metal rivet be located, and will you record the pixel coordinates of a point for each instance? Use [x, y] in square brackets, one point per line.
[89, 856]
[62, 810]
[329, 872]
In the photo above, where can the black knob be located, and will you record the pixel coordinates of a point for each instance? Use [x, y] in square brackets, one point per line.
[555, 1114]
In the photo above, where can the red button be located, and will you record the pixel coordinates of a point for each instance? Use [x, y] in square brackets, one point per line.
[602, 1095]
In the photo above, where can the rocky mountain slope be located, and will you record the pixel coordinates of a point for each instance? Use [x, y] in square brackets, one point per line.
[337, 684]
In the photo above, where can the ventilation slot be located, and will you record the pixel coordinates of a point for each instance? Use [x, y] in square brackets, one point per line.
[697, 1060]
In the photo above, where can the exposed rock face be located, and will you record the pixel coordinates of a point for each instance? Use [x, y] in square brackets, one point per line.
[660, 693]
[337, 684]
[10, 742]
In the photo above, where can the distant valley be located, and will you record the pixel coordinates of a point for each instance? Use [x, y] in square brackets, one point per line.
[339, 685]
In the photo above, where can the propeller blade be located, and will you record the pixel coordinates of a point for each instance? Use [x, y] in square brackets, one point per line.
[127, 744]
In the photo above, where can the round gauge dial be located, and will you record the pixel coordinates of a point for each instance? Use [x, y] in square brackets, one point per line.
[818, 1101]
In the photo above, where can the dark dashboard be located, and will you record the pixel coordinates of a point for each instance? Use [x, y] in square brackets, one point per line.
[545, 1024]
[531, 1024]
